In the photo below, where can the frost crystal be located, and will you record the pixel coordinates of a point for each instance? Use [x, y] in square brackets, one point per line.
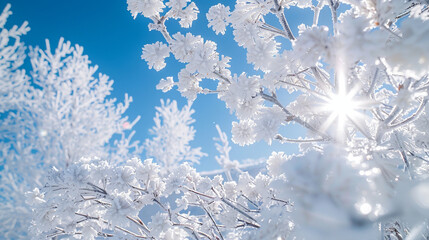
[218, 18]
[148, 8]
[353, 96]
[155, 54]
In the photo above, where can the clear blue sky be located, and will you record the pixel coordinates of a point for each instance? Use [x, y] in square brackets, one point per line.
[113, 41]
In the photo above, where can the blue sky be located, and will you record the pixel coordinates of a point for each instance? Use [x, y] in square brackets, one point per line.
[113, 40]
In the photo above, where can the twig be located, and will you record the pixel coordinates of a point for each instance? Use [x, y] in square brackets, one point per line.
[222, 77]
[191, 229]
[59, 232]
[254, 204]
[374, 80]
[316, 11]
[293, 117]
[283, 139]
[162, 29]
[237, 209]
[247, 223]
[131, 233]
[214, 222]
[403, 155]
[390, 31]
[333, 6]
[318, 75]
[140, 223]
[393, 115]
[282, 18]
[199, 193]
[280, 200]
[272, 29]
[412, 117]
[97, 189]
[160, 204]
[421, 158]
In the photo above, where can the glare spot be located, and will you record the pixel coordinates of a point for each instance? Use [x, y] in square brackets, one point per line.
[126, 125]
[341, 105]
[43, 133]
[420, 195]
[376, 171]
[365, 208]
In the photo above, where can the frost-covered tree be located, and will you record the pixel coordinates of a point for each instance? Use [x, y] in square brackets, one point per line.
[13, 81]
[361, 87]
[222, 146]
[361, 91]
[172, 135]
[55, 116]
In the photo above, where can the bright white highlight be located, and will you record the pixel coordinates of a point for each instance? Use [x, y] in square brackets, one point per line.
[43, 133]
[365, 208]
[341, 108]
[342, 105]
[419, 195]
[358, 91]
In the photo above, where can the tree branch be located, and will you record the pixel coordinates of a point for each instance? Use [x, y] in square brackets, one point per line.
[282, 18]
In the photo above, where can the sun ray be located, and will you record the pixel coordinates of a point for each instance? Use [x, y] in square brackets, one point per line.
[329, 121]
[342, 109]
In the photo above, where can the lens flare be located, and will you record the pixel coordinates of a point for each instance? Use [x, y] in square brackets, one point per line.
[342, 109]
[365, 208]
[341, 105]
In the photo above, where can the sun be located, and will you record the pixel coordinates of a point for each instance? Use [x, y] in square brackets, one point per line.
[342, 110]
[341, 105]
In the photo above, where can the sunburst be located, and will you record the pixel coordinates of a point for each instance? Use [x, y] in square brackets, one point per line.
[343, 109]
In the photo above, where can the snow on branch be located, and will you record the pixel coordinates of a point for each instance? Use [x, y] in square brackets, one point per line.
[51, 118]
[173, 133]
[357, 87]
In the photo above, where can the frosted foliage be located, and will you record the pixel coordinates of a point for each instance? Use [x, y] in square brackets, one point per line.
[183, 46]
[275, 162]
[415, 61]
[261, 54]
[312, 43]
[52, 117]
[188, 84]
[70, 102]
[218, 18]
[173, 133]
[177, 4]
[204, 60]
[107, 198]
[188, 15]
[268, 124]
[155, 54]
[243, 132]
[148, 8]
[165, 84]
[224, 160]
[314, 194]
[242, 96]
[13, 81]
[358, 87]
